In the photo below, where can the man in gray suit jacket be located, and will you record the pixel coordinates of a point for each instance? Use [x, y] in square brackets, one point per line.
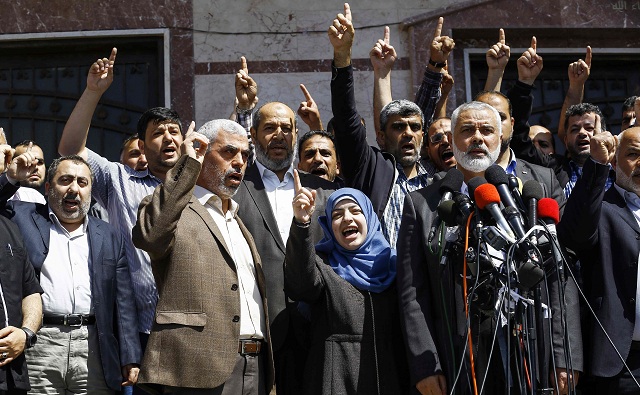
[211, 332]
[265, 198]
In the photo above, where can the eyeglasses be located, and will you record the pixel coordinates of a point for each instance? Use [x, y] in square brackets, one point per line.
[436, 138]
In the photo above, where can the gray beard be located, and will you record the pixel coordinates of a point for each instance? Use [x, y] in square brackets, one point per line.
[275, 165]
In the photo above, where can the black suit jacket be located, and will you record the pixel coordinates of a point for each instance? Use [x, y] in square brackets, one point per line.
[257, 215]
[111, 289]
[605, 233]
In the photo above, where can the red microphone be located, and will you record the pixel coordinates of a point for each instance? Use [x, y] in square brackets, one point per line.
[548, 209]
[487, 196]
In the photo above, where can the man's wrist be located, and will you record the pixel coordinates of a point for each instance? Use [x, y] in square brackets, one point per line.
[342, 59]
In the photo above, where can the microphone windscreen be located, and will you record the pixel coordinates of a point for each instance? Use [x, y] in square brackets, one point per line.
[474, 183]
[496, 175]
[532, 190]
[486, 194]
[548, 208]
[452, 181]
[447, 212]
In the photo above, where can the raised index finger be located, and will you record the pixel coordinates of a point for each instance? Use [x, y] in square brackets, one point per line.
[386, 34]
[439, 27]
[3, 137]
[347, 11]
[112, 57]
[587, 58]
[297, 185]
[501, 37]
[534, 43]
[307, 95]
[243, 64]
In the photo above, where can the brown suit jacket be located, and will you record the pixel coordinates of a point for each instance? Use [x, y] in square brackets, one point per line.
[194, 339]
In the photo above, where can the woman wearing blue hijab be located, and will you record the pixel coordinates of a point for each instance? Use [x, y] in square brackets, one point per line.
[348, 280]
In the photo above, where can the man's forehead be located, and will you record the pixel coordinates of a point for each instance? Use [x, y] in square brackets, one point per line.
[586, 117]
[69, 167]
[630, 138]
[315, 142]
[395, 118]
[476, 116]
[277, 110]
[440, 125]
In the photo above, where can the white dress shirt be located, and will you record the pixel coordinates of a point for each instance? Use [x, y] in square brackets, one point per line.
[280, 195]
[252, 322]
[65, 275]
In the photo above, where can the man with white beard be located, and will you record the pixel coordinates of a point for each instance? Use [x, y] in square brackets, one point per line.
[431, 294]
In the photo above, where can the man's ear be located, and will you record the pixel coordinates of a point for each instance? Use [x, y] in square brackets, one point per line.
[46, 188]
[337, 168]
[614, 162]
[141, 145]
[252, 130]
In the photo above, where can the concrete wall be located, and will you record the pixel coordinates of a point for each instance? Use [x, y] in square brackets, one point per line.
[286, 43]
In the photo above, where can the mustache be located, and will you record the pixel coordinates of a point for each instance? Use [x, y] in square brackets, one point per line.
[476, 146]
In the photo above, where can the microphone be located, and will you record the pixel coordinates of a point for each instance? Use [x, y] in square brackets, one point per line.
[513, 217]
[474, 183]
[464, 206]
[487, 197]
[549, 213]
[496, 175]
[515, 186]
[452, 182]
[447, 213]
[531, 193]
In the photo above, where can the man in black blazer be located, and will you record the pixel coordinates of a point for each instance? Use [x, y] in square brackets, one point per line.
[603, 228]
[81, 265]
[430, 293]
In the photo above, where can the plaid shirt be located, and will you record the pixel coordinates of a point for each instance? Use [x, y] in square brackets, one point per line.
[393, 212]
[574, 176]
[245, 119]
[428, 95]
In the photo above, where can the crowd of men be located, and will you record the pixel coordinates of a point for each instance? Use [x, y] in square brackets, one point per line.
[182, 290]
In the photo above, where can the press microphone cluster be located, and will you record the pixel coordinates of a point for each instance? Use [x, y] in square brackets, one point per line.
[506, 213]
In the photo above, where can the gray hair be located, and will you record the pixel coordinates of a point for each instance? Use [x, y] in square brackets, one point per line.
[403, 108]
[475, 106]
[210, 129]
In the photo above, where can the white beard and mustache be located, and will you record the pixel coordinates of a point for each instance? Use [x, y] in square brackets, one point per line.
[475, 164]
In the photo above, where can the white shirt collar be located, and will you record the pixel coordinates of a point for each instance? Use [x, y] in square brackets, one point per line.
[264, 172]
[205, 196]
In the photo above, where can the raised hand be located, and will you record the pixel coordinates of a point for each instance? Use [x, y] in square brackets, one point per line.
[6, 154]
[100, 74]
[530, 64]
[304, 200]
[498, 55]
[441, 46]
[341, 34]
[246, 87]
[383, 55]
[309, 112]
[189, 146]
[603, 144]
[22, 166]
[447, 82]
[579, 70]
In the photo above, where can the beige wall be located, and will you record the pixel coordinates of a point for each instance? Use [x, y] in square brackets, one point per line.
[305, 24]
